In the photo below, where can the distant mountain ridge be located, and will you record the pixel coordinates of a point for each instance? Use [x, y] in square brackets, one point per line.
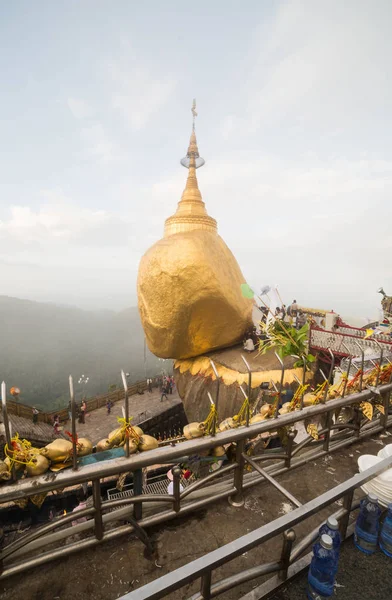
[43, 343]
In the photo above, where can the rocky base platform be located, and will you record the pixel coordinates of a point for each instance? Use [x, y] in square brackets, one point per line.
[195, 378]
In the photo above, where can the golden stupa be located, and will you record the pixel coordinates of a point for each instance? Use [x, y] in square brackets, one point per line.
[189, 294]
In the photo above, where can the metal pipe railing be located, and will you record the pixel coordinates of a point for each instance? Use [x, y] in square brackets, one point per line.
[73, 424]
[249, 388]
[249, 480]
[268, 477]
[201, 482]
[282, 369]
[135, 463]
[169, 454]
[207, 564]
[362, 353]
[243, 577]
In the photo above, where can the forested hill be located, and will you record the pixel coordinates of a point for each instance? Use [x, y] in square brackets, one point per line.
[41, 344]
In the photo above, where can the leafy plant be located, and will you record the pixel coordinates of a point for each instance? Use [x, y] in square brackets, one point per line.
[287, 341]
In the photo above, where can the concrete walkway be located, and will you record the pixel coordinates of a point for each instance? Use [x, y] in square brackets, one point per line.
[99, 424]
[41, 433]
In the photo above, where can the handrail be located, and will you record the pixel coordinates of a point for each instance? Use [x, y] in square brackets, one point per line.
[201, 482]
[179, 504]
[360, 335]
[169, 454]
[211, 561]
[15, 407]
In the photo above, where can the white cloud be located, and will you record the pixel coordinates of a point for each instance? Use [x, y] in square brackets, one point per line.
[98, 145]
[58, 220]
[316, 65]
[79, 108]
[137, 92]
[321, 230]
[228, 126]
[300, 187]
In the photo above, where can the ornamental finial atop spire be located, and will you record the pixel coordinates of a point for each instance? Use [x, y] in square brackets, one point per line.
[193, 157]
[193, 110]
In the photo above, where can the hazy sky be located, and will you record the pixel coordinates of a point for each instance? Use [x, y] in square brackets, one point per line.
[294, 101]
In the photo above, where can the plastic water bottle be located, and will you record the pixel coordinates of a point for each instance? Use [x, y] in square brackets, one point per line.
[386, 533]
[367, 525]
[321, 576]
[331, 528]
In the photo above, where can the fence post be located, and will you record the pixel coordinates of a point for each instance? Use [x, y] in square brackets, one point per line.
[385, 403]
[327, 434]
[357, 421]
[238, 498]
[289, 448]
[98, 523]
[205, 586]
[343, 523]
[176, 488]
[288, 540]
[137, 491]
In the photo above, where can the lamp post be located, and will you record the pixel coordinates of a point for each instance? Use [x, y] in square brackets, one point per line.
[83, 381]
[162, 366]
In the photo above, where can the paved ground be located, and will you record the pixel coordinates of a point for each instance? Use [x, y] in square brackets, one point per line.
[39, 432]
[113, 569]
[359, 577]
[99, 424]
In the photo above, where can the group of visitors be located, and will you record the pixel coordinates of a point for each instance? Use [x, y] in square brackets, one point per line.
[167, 386]
[292, 315]
[81, 414]
[56, 420]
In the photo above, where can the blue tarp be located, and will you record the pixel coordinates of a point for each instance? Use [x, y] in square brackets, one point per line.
[101, 456]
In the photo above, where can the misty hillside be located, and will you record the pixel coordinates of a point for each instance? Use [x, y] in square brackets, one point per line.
[41, 344]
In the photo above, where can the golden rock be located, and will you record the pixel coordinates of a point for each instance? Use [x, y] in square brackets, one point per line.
[189, 292]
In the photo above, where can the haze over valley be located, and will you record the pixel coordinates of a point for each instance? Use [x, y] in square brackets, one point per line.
[43, 343]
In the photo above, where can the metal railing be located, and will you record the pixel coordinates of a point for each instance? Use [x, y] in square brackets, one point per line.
[344, 343]
[284, 565]
[143, 510]
[20, 409]
[154, 485]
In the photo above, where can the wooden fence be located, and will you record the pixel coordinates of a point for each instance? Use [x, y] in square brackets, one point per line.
[23, 410]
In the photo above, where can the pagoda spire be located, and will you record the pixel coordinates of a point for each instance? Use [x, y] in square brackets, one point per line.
[191, 212]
